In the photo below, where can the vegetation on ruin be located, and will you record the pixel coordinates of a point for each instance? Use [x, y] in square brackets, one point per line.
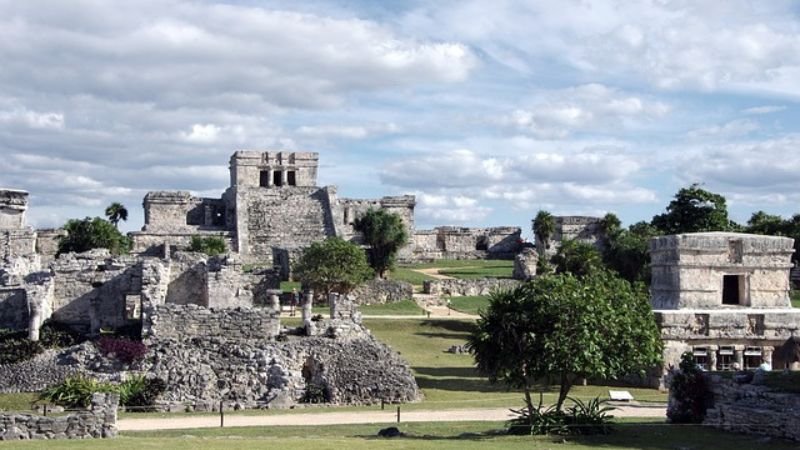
[693, 210]
[16, 347]
[210, 245]
[137, 392]
[332, 265]
[116, 212]
[578, 258]
[598, 326]
[544, 225]
[87, 234]
[385, 234]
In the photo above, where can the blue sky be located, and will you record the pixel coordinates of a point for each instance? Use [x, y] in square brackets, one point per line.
[487, 111]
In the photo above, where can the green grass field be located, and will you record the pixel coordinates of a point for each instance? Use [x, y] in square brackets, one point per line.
[469, 305]
[409, 276]
[487, 269]
[435, 435]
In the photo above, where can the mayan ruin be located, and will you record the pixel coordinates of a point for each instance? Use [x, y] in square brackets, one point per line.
[232, 224]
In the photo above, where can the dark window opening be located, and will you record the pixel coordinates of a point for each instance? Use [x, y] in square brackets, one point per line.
[482, 244]
[726, 358]
[264, 179]
[700, 355]
[731, 289]
[276, 178]
[291, 180]
[752, 358]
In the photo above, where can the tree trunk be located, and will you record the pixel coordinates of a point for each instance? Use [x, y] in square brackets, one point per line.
[566, 384]
[529, 403]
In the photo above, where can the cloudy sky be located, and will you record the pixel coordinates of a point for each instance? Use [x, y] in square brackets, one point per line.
[486, 110]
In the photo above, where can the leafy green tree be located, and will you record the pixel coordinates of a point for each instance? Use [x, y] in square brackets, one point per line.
[627, 252]
[116, 212]
[578, 258]
[88, 233]
[385, 234]
[598, 326]
[544, 225]
[694, 210]
[332, 265]
[772, 225]
[210, 245]
[610, 224]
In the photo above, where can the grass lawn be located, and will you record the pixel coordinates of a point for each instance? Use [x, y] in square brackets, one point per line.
[487, 269]
[469, 305]
[409, 276]
[401, 308]
[448, 380]
[457, 263]
[434, 435]
[795, 296]
[17, 402]
[287, 286]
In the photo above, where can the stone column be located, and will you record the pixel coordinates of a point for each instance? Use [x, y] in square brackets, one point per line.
[333, 298]
[739, 352]
[284, 177]
[269, 177]
[308, 300]
[208, 215]
[766, 354]
[712, 358]
[275, 302]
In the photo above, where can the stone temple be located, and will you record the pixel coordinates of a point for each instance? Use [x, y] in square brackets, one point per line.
[274, 208]
[722, 296]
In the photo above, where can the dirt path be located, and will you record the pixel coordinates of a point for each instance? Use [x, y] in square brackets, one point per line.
[344, 418]
[433, 272]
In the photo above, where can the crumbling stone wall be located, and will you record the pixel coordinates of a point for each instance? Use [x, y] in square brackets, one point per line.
[753, 409]
[525, 264]
[458, 288]
[585, 229]
[379, 292]
[190, 321]
[98, 421]
[467, 243]
[47, 241]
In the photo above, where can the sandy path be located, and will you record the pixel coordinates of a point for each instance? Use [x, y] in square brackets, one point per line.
[433, 272]
[344, 418]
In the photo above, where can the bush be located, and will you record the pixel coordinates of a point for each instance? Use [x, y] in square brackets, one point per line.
[579, 419]
[58, 335]
[315, 393]
[17, 349]
[689, 393]
[125, 350]
[75, 392]
[211, 245]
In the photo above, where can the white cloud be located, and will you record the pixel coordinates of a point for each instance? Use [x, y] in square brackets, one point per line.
[733, 128]
[766, 109]
[33, 119]
[205, 133]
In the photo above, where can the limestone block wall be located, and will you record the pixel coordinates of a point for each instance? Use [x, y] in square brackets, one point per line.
[753, 409]
[688, 270]
[91, 289]
[289, 217]
[192, 321]
[347, 210]
[467, 243]
[247, 166]
[581, 228]
[379, 291]
[15, 243]
[13, 204]
[13, 308]
[765, 324]
[98, 421]
[47, 241]
[458, 288]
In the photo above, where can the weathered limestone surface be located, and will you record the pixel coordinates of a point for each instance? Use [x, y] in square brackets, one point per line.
[525, 265]
[13, 204]
[98, 421]
[581, 228]
[177, 321]
[44, 370]
[457, 288]
[753, 409]
[688, 269]
[467, 243]
[47, 241]
[378, 292]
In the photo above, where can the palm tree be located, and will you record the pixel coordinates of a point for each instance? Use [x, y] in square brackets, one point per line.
[116, 212]
[544, 225]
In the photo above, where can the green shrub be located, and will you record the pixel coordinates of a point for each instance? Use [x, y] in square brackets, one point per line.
[58, 335]
[16, 349]
[582, 418]
[315, 393]
[689, 392]
[211, 245]
[75, 392]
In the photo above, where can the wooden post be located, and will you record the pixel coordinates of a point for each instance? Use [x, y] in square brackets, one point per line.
[398, 414]
[221, 415]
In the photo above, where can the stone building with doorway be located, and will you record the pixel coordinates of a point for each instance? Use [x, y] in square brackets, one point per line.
[722, 296]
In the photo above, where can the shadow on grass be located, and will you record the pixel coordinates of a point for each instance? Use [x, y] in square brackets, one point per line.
[453, 372]
[644, 436]
[460, 326]
[460, 385]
